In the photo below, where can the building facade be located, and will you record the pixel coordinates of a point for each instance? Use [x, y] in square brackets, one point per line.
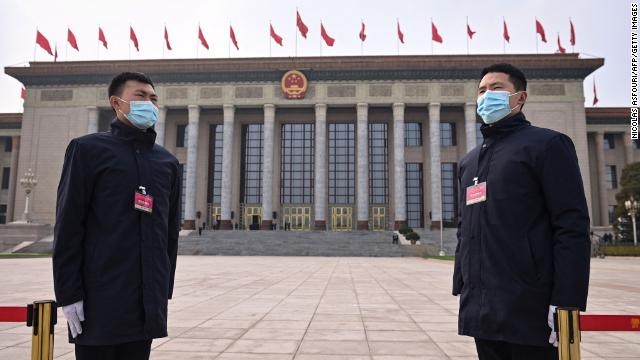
[373, 144]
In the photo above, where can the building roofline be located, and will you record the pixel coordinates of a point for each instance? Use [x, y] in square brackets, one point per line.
[385, 67]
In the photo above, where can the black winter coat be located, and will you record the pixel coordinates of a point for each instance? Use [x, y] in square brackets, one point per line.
[120, 261]
[527, 246]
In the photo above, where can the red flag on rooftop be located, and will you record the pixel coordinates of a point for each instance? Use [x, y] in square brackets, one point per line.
[540, 30]
[301, 25]
[434, 33]
[362, 35]
[277, 38]
[166, 38]
[43, 42]
[133, 37]
[203, 41]
[232, 34]
[327, 39]
[102, 38]
[400, 34]
[71, 38]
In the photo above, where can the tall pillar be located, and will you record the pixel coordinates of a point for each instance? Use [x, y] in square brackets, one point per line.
[267, 167]
[602, 186]
[92, 126]
[400, 193]
[470, 125]
[628, 147]
[434, 139]
[320, 188]
[228, 112]
[13, 177]
[362, 115]
[192, 161]
[160, 125]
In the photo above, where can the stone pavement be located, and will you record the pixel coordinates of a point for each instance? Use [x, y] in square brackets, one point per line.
[312, 308]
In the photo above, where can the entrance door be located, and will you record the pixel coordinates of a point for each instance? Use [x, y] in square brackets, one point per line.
[248, 216]
[378, 218]
[296, 218]
[214, 214]
[341, 218]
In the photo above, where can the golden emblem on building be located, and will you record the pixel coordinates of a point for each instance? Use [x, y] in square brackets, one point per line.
[294, 84]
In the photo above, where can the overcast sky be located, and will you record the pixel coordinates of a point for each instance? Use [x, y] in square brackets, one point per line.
[602, 30]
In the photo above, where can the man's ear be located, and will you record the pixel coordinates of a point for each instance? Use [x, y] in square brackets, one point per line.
[113, 101]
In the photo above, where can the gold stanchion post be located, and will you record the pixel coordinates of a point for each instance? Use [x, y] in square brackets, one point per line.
[567, 323]
[42, 316]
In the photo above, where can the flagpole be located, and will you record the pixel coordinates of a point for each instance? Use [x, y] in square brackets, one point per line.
[573, 51]
[432, 36]
[34, 45]
[361, 42]
[165, 40]
[536, 34]
[398, 35]
[270, 37]
[467, 36]
[320, 39]
[296, 32]
[229, 40]
[504, 41]
[66, 46]
[129, 41]
[198, 46]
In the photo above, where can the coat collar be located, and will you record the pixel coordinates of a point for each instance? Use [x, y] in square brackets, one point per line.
[146, 138]
[504, 126]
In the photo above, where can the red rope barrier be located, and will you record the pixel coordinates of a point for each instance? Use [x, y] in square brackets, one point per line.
[13, 314]
[610, 322]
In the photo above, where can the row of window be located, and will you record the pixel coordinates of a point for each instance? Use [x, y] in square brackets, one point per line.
[412, 135]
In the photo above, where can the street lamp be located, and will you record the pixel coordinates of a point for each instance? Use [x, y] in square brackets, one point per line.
[28, 182]
[632, 207]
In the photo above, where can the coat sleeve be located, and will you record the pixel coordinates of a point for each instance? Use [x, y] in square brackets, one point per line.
[569, 217]
[174, 225]
[458, 283]
[74, 193]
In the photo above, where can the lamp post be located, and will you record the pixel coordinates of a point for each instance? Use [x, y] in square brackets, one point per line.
[28, 182]
[632, 209]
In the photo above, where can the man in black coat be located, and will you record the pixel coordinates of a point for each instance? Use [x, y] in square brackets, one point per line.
[116, 232]
[523, 230]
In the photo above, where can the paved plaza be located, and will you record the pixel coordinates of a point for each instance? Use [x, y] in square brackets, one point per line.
[312, 308]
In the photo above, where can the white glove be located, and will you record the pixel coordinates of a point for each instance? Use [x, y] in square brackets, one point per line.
[553, 337]
[74, 314]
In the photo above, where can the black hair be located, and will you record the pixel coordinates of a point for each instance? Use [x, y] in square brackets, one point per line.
[516, 76]
[115, 88]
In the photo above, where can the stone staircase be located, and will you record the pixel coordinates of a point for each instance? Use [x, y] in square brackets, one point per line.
[299, 243]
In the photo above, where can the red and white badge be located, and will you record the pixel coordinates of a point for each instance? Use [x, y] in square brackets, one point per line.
[477, 192]
[143, 201]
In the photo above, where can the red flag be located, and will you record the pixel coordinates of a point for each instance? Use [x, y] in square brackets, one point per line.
[561, 50]
[102, 38]
[434, 33]
[166, 38]
[505, 31]
[362, 35]
[470, 32]
[23, 93]
[133, 37]
[277, 38]
[71, 38]
[233, 37]
[572, 40]
[43, 42]
[540, 30]
[301, 25]
[203, 41]
[400, 34]
[595, 94]
[327, 39]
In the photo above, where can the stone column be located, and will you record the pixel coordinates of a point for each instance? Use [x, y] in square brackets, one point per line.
[434, 139]
[160, 125]
[192, 161]
[628, 147]
[602, 186]
[400, 193]
[227, 153]
[13, 177]
[92, 126]
[362, 141]
[320, 188]
[470, 125]
[267, 167]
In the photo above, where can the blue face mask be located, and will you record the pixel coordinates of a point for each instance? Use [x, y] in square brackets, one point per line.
[142, 114]
[493, 106]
